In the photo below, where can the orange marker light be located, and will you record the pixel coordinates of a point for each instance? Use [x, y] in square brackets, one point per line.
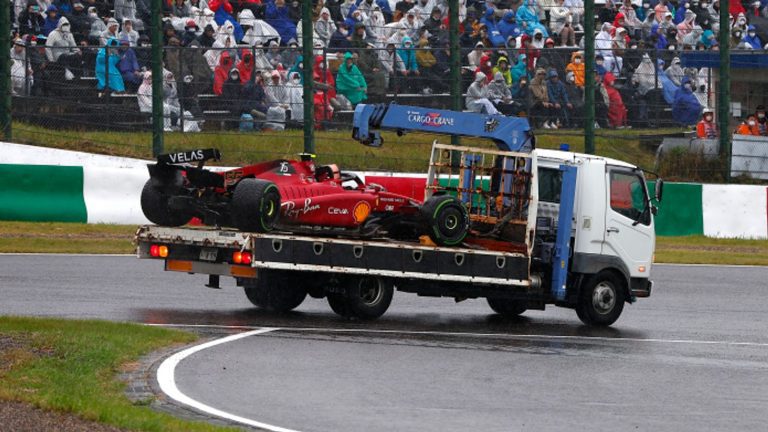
[237, 257]
[163, 251]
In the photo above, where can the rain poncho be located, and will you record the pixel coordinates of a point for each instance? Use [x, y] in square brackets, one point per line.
[106, 68]
[617, 112]
[505, 74]
[324, 26]
[278, 18]
[223, 13]
[350, 81]
[128, 66]
[645, 76]
[675, 72]
[752, 41]
[529, 14]
[669, 89]
[245, 65]
[508, 26]
[295, 96]
[259, 32]
[686, 109]
[496, 38]
[708, 38]
[49, 24]
[407, 55]
[577, 68]
[518, 70]
[221, 73]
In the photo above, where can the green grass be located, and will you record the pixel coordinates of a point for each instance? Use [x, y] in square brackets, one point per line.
[408, 153]
[72, 366]
[704, 250]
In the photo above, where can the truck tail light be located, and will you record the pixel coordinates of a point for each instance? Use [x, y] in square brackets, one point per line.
[158, 251]
[242, 257]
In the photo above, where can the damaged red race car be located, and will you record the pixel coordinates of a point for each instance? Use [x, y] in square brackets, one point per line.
[294, 196]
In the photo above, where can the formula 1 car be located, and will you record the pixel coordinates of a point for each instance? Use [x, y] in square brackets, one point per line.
[295, 196]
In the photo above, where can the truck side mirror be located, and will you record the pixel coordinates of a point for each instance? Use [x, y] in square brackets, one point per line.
[659, 189]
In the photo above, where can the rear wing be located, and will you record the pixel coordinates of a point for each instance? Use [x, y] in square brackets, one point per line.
[199, 156]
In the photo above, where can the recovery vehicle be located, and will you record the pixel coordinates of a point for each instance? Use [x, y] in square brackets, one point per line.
[546, 227]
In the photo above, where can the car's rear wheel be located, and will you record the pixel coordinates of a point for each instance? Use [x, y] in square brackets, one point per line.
[255, 205]
[447, 220]
[154, 204]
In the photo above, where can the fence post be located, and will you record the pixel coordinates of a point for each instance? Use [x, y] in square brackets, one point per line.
[180, 84]
[5, 69]
[307, 32]
[589, 76]
[453, 21]
[157, 78]
[724, 87]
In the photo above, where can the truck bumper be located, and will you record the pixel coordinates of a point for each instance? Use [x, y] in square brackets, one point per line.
[641, 287]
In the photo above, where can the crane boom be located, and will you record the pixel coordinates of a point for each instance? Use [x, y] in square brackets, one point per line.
[508, 133]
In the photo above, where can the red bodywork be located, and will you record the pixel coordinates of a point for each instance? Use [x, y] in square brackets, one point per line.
[317, 197]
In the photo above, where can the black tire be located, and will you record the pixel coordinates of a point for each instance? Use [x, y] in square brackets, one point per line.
[507, 307]
[274, 290]
[365, 297]
[255, 205]
[601, 300]
[446, 219]
[154, 204]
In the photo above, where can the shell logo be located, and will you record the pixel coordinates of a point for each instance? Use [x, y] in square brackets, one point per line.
[361, 211]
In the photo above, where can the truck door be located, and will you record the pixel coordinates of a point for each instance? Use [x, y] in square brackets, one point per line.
[629, 227]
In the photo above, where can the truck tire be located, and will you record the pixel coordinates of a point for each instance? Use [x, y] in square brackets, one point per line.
[255, 205]
[154, 205]
[274, 290]
[601, 300]
[446, 219]
[365, 298]
[506, 307]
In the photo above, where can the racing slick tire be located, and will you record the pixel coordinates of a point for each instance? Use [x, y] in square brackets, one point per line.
[154, 205]
[365, 298]
[507, 307]
[275, 290]
[601, 300]
[447, 220]
[255, 205]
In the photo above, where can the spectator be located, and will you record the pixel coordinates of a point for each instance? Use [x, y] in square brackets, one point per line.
[129, 33]
[181, 9]
[752, 39]
[274, 55]
[558, 97]
[391, 62]
[222, 72]
[474, 56]
[486, 67]
[62, 51]
[706, 128]
[528, 18]
[30, 20]
[762, 121]
[260, 61]
[502, 67]
[111, 32]
[98, 26]
[608, 13]
[324, 26]
[295, 96]
[561, 23]
[500, 95]
[231, 91]
[129, 66]
[340, 38]
[601, 103]
[350, 82]
[669, 89]
[196, 77]
[170, 102]
[686, 26]
[107, 72]
[190, 32]
[51, 19]
[604, 47]
[631, 21]
[519, 70]
[520, 94]
[541, 110]
[427, 61]
[245, 65]
[22, 78]
[276, 15]
[323, 80]
[576, 97]
[577, 67]
[508, 27]
[208, 37]
[253, 99]
[660, 11]
[81, 23]
[675, 72]
[279, 103]
[708, 39]
[686, 109]
[477, 96]
[748, 127]
[408, 57]
[617, 112]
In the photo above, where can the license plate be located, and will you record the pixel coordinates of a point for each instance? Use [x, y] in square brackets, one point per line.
[208, 254]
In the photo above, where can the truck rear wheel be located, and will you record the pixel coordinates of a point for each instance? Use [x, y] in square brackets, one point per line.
[447, 220]
[154, 205]
[274, 290]
[255, 205]
[365, 298]
[601, 300]
[506, 307]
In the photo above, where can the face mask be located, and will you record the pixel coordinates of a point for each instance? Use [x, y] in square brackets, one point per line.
[760, 116]
[647, 5]
[737, 34]
[577, 61]
[671, 47]
[65, 28]
[688, 86]
[522, 83]
[751, 34]
[233, 77]
[751, 122]
[343, 32]
[599, 63]
[687, 5]
[571, 79]
[488, 64]
[708, 118]
[703, 5]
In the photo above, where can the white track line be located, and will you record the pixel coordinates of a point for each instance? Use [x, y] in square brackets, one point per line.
[483, 335]
[167, 381]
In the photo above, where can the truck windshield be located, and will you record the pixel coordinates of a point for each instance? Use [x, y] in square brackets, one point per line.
[629, 197]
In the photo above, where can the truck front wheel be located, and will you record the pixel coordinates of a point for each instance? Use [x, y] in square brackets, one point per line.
[274, 290]
[506, 307]
[364, 297]
[601, 300]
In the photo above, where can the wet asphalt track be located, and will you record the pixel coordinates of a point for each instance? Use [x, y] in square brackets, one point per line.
[693, 357]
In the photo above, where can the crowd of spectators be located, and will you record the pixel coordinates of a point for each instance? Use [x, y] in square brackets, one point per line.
[518, 56]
